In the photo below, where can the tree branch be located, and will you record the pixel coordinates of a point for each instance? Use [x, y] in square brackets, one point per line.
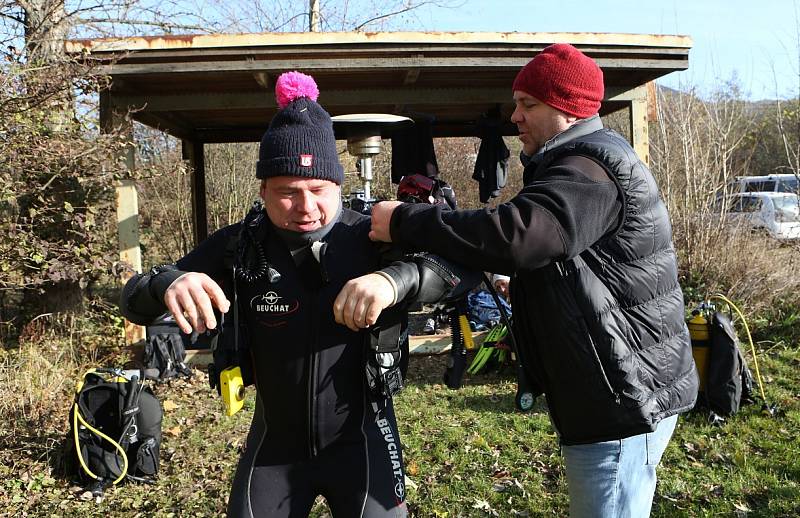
[16, 19]
[142, 23]
[388, 15]
[290, 20]
[406, 9]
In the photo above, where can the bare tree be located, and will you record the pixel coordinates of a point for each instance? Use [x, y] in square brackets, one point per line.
[696, 153]
[332, 15]
[787, 118]
[45, 26]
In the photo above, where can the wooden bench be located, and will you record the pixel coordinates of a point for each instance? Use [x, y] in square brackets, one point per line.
[422, 345]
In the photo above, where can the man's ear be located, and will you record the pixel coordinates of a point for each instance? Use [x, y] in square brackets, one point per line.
[262, 190]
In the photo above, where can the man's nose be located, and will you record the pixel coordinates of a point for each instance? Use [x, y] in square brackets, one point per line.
[306, 203]
[516, 117]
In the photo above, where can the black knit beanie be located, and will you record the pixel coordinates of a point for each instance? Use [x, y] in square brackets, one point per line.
[299, 140]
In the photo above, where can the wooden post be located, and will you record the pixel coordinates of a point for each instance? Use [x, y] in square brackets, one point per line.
[638, 122]
[130, 254]
[193, 152]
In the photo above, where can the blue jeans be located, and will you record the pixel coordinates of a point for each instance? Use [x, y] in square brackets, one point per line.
[616, 479]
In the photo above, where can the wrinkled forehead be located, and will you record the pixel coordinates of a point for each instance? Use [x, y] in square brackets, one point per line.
[519, 95]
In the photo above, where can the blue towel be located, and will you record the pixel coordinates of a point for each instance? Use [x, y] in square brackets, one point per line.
[482, 311]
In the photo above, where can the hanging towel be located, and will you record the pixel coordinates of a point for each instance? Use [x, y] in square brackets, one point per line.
[491, 165]
[412, 151]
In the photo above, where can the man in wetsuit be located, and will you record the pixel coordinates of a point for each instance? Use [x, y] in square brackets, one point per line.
[318, 428]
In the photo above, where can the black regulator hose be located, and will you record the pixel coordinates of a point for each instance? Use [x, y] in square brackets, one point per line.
[253, 265]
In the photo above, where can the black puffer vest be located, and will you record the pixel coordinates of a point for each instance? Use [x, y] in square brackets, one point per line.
[603, 333]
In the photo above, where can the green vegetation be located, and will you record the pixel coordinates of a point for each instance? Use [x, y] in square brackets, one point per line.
[467, 452]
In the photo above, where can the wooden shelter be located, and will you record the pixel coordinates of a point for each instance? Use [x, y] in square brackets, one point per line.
[219, 88]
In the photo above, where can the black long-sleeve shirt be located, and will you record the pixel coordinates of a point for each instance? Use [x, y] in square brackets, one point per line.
[559, 213]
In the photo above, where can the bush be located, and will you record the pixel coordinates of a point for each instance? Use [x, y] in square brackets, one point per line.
[57, 195]
[697, 147]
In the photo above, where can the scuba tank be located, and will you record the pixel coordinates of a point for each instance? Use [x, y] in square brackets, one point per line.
[726, 381]
[462, 339]
[700, 334]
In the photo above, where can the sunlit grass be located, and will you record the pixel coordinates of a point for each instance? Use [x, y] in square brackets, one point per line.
[468, 452]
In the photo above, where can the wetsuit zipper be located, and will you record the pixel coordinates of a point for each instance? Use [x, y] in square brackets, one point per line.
[431, 261]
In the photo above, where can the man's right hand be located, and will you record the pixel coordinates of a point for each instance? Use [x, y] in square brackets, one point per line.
[191, 299]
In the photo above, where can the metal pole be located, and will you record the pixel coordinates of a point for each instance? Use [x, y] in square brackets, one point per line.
[366, 176]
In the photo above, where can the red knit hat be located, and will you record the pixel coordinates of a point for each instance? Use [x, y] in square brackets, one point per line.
[565, 78]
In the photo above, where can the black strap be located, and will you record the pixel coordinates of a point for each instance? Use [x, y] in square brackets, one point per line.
[166, 358]
[129, 411]
[388, 339]
[235, 313]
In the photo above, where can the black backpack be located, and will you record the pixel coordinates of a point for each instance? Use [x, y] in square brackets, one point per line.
[115, 429]
[729, 382]
[165, 347]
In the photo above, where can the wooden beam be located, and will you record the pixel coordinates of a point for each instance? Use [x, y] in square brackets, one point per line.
[113, 120]
[621, 93]
[652, 103]
[425, 345]
[442, 128]
[221, 41]
[193, 153]
[221, 135]
[412, 74]
[638, 124]
[312, 64]
[485, 50]
[167, 122]
[128, 225]
[418, 345]
[330, 98]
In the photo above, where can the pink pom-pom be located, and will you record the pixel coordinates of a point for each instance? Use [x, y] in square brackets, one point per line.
[293, 85]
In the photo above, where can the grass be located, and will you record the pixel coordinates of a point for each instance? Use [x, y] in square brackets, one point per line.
[468, 452]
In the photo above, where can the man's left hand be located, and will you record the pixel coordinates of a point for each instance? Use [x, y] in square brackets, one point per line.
[381, 218]
[361, 301]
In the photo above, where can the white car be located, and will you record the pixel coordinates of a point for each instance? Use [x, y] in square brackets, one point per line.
[776, 212]
[786, 182]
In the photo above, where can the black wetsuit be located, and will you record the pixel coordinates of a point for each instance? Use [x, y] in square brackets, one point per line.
[317, 430]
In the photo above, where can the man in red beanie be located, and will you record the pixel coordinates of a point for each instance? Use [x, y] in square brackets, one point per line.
[598, 310]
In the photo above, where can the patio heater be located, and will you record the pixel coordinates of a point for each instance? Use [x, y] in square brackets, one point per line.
[364, 133]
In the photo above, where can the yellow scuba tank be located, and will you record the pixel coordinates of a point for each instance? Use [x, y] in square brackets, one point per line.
[700, 333]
